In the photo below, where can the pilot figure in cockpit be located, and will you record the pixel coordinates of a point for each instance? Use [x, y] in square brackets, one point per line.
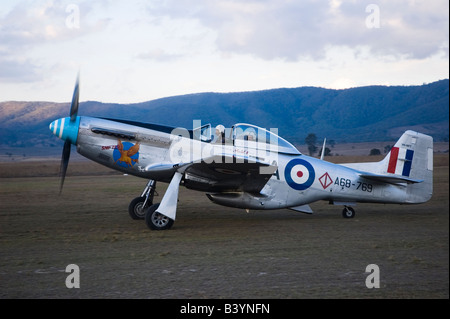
[220, 134]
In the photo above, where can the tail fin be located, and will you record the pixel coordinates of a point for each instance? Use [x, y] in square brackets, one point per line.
[412, 157]
[410, 162]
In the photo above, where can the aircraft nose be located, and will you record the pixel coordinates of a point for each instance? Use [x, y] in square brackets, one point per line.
[52, 126]
[66, 129]
[55, 127]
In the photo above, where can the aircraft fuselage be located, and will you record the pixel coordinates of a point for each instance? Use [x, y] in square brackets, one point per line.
[158, 153]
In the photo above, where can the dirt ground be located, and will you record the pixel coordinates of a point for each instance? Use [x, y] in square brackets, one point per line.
[211, 252]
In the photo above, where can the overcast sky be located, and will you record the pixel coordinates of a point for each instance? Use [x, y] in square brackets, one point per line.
[134, 51]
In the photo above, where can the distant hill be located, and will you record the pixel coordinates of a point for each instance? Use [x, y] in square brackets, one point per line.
[364, 114]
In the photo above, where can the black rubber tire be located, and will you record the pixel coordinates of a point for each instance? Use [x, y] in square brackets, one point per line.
[157, 221]
[136, 209]
[348, 212]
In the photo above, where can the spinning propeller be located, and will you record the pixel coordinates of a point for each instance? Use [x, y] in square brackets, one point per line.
[67, 130]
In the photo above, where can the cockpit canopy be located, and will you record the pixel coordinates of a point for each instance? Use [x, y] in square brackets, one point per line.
[251, 136]
[248, 136]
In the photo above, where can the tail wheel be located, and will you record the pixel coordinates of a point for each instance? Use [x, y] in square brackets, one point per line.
[157, 221]
[348, 212]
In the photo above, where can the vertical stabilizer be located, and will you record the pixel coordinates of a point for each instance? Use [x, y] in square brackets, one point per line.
[412, 157]
[410, 161]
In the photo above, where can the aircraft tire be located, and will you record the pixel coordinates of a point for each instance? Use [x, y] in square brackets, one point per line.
[155, 220]
[136, 209]
[348, 212]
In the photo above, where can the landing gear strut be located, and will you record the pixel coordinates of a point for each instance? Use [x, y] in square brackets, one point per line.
[348, 212]
[162, 216]
[139, 205]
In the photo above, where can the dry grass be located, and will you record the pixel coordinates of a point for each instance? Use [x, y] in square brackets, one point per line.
[212, 251]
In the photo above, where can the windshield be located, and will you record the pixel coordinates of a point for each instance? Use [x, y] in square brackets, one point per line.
[246, 135]
[202, 133]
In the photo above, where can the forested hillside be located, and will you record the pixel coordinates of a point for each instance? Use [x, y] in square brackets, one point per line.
[364, 114]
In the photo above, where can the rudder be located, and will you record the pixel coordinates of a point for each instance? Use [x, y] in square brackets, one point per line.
[412, 157]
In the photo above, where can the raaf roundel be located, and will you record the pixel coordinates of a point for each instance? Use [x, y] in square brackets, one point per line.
[299, 174]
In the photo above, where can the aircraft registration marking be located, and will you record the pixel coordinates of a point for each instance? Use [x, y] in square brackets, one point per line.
[347, 183]
[108, 147]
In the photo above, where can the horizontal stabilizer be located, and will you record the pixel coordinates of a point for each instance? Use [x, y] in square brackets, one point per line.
[391, 179]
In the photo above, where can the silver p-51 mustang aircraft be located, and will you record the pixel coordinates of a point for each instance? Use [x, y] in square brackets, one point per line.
[244, 167]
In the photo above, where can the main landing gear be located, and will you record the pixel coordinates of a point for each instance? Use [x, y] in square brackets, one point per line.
[155, 220]
[142, 208]
[140, 204]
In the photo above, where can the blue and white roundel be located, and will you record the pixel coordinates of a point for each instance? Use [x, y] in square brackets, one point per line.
[299, 174]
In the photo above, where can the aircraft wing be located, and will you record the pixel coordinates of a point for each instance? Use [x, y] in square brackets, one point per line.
[391, 179]
[228, 173]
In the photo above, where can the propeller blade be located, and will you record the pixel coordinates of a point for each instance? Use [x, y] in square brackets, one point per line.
[74, 105]
[64, 163]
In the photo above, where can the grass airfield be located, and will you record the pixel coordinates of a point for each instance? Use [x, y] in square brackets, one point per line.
[211, 251]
